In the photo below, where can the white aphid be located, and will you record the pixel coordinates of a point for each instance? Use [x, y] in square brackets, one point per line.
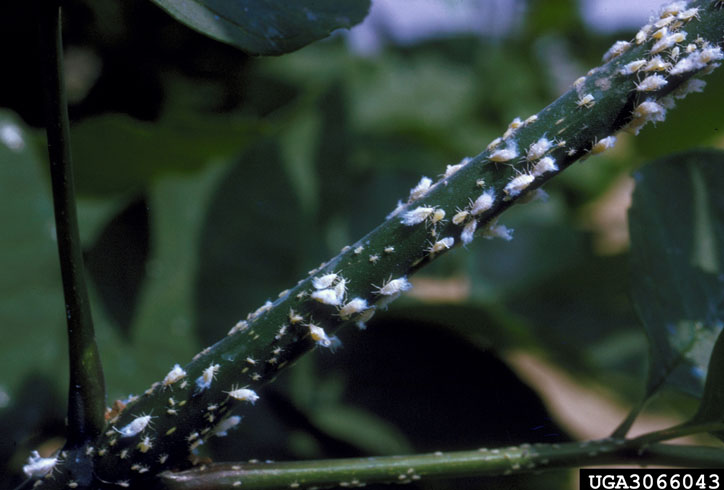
[505, 154]
[324, 281]
[353, 307]
[38, 467]
[207, 376]
[451, 169]
[512, 128]
[578, 82]
[226, 425]
[603, 145]
[261, 310]
[437, 216]
[661, 33]
[650, 110]
[657, 64]
[340, 289]
[394, 212]
[688, 14]
[318, 334]
[692, 85]
[326, 296]
[483, 203]
[667, 41]
[586, 101]
[243, 394]
[460, 217]
[145, 444]
[643, 34]
[135, 427]
[174, 375]
[530, 120]
[697, 60]
[468, 232]
[494, 143]
[651, 83]
[498, 231]
[420, 189]
[664, 22]
[239, 327]
[544, 165]
[394, 286]
[632, 67]
[417, 215]
[517, 185]
[442, 244]
[618, 48]
[672, 8]
[294, 317]
[538, 149]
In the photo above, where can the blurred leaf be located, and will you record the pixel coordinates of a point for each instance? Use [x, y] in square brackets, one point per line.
[32, 312]
[117, 262]
[269, 27]
[252, 243]
[676, 224]
[116, 154]
[712, 401]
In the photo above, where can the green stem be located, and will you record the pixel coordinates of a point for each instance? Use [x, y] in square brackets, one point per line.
[403, 469]
[86, 394]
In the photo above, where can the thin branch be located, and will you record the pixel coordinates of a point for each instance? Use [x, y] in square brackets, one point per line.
[402, 469]
[86, 394]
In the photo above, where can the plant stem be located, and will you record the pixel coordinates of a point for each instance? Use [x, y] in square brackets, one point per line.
[86, 394]
[403, 469]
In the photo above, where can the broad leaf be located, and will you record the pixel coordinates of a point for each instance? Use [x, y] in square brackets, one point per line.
[676, 223]
[266, 27]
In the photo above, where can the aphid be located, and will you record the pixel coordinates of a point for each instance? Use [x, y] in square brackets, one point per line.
[673, 8]
[365, 317]
[417, 215]
[226, 425]
[174, 375]
[207, 376]
[460, 217]
[294, 317]
[690, 86]
[389, 249]
[586, 101]
[538, 149]
[123, 454]
[512, 128]
[318, 334]
[603, 145]
[650, 110]
[657, 64]
[494, 143]
[517, 185]
[664, 22]
[674, 53]
[394, 286]
[688, 14]
[440, 245]
[374, 258]
[618, 48]
[136, 426]
[667, 41]
[243, 394]
[544, 165]
[340, 289]
[643, 34]
[437, 216]
[420, 189]
[394, 212]
[358, 250]
[651, 83]
[690, 48]
[239, 327]
[661, 33]
[632, 67]
[261, 310]
[498, 231]
[579, 81]
[480, 183]
[468, 232]
[483, 203]
[504, 155]
[38, 467]
[709, 54]
[530, 120]
[145, 444]
[324, 281]
[192, 437]
[451, 169]
[353, 307]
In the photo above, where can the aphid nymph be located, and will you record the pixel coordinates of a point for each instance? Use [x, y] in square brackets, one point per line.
[517, 185]
[135, 427]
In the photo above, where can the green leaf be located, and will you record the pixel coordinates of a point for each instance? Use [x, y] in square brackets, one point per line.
[711, 408]
[676, 224]
[267, 27]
